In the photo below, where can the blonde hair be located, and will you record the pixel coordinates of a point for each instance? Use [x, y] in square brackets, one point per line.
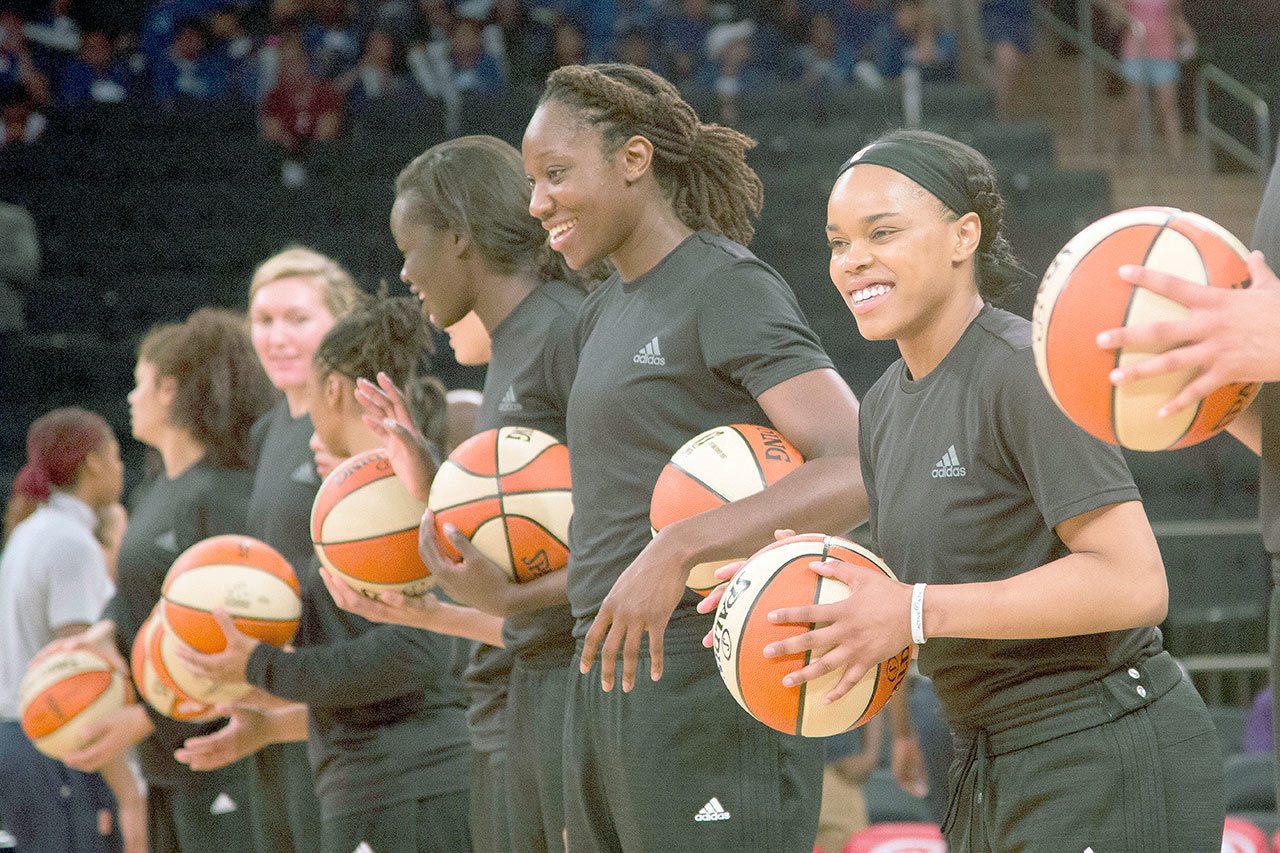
[338, 289]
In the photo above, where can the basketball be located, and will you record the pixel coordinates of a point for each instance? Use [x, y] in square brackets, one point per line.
[153, 681]
[1082, 294]
[364, 525]
[245, 577]
[714, 468]
[508, 490]
[778, 575]
[63, 692]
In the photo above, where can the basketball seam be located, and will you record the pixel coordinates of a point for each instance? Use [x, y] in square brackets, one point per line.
[808, 654]
[746, 621]
[365, 538]
[527, 463]
[764, 481]
[439, 509]
[171, 603]
[699, 480]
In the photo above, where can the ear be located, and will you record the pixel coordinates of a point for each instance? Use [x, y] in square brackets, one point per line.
[336, 390]
[636, 156]
[459, 243]
[166, 389]
[968, 233]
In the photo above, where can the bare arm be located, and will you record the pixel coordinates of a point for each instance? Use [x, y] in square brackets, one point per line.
[1247, 429]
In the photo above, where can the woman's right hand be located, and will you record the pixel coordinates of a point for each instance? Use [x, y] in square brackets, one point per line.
[109, 738]
[391, 608]
[100, 637]
[387, 415]
[248, 730]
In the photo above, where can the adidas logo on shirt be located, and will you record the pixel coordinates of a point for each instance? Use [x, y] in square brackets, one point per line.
[650, 354]
[948, 465]
[712, 811]
[509, 402]
[223, 804]
[168, 541]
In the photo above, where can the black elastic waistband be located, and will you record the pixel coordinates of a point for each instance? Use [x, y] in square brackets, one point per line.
[1100, 701]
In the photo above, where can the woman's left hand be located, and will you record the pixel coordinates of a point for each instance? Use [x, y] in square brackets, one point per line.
[870, 626]
[641, 601]
[228, 666]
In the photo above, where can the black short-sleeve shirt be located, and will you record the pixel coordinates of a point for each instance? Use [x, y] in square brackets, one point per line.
[968, 471]
[685, 347]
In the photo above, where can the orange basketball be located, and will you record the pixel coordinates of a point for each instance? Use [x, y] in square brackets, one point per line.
[245, 577]
[778, 575]
[714, 468]
[1082, 294]
[63, 692]
[508, 490]
[154, 682]
[364, 525]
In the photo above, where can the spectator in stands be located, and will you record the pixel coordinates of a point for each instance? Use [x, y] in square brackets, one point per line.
[189, 70]
[1006, 26]
[728, 50]
[509, 24]
[96, 76]
[380, 75]
[1152, 48]
[19, 76]
[568, 46]
[53, 582]
[54, 37]
[635, 47]
[239, 53]
[824, 61]
[784, 30]
[684, 39]
[856, 21]
[912, 39]
[850, 757]
[467, 66]
[331, 39]
[1259, 735]
[301, 109]
[19, 263]
[437, 20]
[21, 123]
[161, 22]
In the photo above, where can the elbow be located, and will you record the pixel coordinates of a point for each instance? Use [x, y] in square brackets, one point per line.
[1152, 595]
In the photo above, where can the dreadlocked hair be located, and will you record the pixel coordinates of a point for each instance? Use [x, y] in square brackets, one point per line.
[701, 167]
[389, 335]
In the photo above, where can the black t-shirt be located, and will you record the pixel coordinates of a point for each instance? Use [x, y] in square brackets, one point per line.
[688, 346]
[531, 366]
[968, 471]
[385, 709]
[165, 518]
[284, 484]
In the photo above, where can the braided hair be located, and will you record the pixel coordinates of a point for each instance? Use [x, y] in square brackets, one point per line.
[388, 335]
[701, 168]
[997, 269]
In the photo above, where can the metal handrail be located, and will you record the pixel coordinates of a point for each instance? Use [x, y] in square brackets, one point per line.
[1092, 54]
[1259, 157]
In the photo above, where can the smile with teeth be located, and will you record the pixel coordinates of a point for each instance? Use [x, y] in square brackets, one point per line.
[870, 292]
[558, 231]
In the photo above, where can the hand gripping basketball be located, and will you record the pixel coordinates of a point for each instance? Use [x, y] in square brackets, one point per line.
[475, 580]
[1229, 335]
[228, 666]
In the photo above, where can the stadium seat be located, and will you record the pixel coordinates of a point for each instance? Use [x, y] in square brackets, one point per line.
[897, 838]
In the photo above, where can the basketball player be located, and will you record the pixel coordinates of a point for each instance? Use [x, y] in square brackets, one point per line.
[1229, 336]
[689, 333]
[295, 297]
[461, 219]
[386, 733]
[198, 390]
[1074, 729]
[54, 583]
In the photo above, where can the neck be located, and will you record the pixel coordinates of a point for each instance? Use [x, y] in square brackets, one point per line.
[296, 399]
[358, 437]
[925, 349]
[179, 450]
[498, 295]
[656, 235]
[83, 491]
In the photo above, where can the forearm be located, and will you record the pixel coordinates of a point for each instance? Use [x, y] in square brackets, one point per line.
[1081, 593]
[466, 622]
[547, 591]
[823, 495]
[1247, 429]
[383, 663]
[288, 724]
[123, 784]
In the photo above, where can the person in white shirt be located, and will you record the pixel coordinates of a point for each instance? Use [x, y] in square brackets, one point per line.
[53, 583]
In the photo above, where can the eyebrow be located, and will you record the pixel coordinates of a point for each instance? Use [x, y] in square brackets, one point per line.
[868, 220]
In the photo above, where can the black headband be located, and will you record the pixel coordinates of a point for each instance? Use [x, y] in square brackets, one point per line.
[911, 160]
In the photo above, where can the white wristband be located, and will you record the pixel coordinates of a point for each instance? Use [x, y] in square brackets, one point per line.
[917, 614]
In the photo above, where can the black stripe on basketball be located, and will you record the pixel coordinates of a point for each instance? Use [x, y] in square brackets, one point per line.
[527, 463]
[698, 480]
[737, 668]
[808, 654]
[751, 451]
[368, 538]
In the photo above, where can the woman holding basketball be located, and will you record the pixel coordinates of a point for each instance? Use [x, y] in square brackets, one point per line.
[384, 719]
[472, 251]
[690, 332]
[1031, 577]
[198, 390]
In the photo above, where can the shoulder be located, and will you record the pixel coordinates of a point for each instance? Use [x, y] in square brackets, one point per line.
[1004, 357]
[872, 401]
